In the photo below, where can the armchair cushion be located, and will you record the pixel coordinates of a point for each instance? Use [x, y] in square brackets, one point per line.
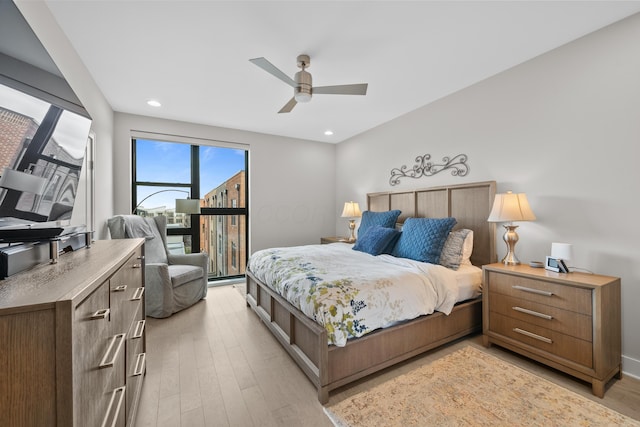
[181, 274]
[200, 259]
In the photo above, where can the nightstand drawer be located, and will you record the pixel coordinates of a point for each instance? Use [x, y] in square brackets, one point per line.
[553, 318]
[565, 346]
[562, 296]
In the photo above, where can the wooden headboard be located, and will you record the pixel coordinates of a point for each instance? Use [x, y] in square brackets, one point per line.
[469, 204]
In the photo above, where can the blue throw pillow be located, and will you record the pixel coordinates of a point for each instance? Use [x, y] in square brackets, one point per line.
[384, 219]
[422, 239]
[377, 240]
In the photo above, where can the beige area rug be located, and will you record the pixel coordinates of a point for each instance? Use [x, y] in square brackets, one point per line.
[471, 388]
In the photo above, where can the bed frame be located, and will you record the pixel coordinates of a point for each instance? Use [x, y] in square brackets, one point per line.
[329, 366]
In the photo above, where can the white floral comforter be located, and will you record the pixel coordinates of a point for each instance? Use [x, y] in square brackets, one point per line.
[352, 293]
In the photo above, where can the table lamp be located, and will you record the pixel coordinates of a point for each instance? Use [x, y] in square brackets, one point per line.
[509, 207]
[352, 211]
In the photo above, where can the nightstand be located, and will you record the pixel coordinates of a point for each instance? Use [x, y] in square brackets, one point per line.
[570, 322]
[325, 240]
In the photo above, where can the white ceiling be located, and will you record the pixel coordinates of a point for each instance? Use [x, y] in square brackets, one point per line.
[193, 56]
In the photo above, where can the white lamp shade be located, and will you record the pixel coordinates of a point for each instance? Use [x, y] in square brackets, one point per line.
[351, 210]
[21, 181]
[188, 206]
[563, 251]
[509, 207]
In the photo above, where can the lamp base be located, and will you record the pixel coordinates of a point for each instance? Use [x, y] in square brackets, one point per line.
[510, 238]
[352, 228]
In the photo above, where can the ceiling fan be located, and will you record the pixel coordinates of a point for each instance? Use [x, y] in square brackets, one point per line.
[301, 83]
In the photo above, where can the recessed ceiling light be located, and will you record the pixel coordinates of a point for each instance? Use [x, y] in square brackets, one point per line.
[154, 103]
[328, 132]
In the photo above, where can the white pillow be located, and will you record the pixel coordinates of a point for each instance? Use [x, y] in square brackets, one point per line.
[467, 249]
[453, 252]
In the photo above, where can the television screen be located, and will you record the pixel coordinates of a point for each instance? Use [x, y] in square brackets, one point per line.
[42, 148]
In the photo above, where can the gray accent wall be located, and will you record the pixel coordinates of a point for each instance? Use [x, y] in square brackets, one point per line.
[564, 128]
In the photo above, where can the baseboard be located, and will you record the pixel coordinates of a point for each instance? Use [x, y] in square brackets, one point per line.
[631, 367]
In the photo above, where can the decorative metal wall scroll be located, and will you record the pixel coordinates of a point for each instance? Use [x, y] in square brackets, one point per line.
[423, 167]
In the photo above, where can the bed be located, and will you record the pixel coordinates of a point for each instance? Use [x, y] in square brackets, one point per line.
[330, 360]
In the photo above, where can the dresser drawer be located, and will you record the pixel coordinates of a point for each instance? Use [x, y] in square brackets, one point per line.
[565, 346]
[115, 393]
[136, 361]
[91, 341]
[566, 297]
[567, 322]
[115, 414]
[126, 293]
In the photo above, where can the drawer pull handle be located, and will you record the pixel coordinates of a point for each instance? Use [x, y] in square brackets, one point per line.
[533, 313]
[120, 288]
[532, 335]
[139, 329]
[106, 362]
[100, 314]
[114, 421]
[141, 361]
[532, 290]
[137, 295]
[136, 265]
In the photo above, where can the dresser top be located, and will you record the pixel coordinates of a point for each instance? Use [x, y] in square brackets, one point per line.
[72, 277]
[573, 278]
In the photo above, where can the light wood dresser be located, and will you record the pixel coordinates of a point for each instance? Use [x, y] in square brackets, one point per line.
[72, 340]
[568, 321]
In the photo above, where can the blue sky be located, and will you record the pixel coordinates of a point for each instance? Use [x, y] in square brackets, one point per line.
[171, 162]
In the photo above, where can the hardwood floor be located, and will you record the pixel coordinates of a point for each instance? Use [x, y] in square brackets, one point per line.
[215, 364]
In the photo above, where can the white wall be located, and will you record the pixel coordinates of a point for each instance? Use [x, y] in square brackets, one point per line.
[563, 128]
[68, 62]
[291, 182]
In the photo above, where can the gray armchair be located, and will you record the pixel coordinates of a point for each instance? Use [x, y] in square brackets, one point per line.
[173, 281]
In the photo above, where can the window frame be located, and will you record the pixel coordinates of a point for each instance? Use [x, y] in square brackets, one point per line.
[194, 189]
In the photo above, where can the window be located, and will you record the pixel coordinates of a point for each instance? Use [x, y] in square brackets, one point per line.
[234, 218]
[215, 175]
[234, 255]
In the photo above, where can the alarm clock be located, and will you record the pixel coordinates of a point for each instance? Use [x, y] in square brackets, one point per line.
[556, 264]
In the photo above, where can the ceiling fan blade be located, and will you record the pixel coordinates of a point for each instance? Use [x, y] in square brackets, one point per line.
[288, 106]
[358, 89]
[273, 70]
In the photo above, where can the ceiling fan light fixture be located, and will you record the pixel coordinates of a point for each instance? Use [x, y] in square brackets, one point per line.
[302, 91]
[301, 96]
